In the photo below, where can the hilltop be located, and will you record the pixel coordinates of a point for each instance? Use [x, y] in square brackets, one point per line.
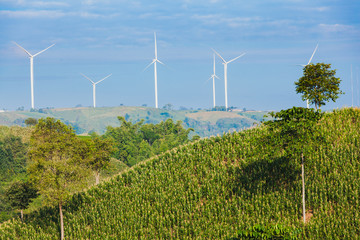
[85, 119]
[212, 188]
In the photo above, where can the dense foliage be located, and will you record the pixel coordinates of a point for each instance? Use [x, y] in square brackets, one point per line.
[213, 188]
[270, 232]
[20, 194]
[136, 142]
[12, 164]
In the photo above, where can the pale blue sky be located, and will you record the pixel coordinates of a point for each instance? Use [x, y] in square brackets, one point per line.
[102, 37]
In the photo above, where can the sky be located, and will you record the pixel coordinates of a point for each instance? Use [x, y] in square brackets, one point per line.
[98, 38]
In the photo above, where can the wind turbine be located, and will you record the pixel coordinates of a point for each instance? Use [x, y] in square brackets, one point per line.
[213, 76]
[307, 100]
[32, 70]
[225, 73]
[155, 60]
[94, 86]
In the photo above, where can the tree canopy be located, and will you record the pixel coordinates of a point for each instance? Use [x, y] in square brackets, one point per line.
[58, 164]
[135, 142]
[20, 194]
[318, 84]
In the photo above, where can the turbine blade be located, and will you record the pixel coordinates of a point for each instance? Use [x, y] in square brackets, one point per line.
[159, 62]
[149, 65]
[43, 50]
[217, 77]
[23, 49]
[236, 58]
[155, 45]
[219, 55]
[313, 54]
[103, 79]
[214, 62]
[88, 78]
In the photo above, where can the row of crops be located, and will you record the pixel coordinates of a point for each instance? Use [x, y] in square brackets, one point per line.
[214, 187]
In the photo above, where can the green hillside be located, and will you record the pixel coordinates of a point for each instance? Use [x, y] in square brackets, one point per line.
[84, 119]
[214, 187]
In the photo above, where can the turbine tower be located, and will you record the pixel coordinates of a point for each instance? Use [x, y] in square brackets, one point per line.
[155, 60]
[94, 86]
[213, 76]
[307, 100]
[32, 70]
[225, 74]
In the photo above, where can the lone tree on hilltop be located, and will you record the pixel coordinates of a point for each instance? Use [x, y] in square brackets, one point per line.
[318, 84]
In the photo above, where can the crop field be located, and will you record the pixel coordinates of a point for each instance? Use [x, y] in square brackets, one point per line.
[214, 187]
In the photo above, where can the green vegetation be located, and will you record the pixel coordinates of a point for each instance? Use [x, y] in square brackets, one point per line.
[58, 163]
[137, 142]
[318, 84]
[20, 194]
[213, 188]
[271, 232]
[86, 120]
[13, 149]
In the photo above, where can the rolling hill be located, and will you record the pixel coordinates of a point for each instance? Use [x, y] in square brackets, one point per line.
[212, 188]
[84, 120]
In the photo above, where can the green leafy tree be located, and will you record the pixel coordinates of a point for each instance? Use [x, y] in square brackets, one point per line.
[100, 150]
[20, 194]
[292, 130]
[318, 84]
[12, 157]
[139, 141]
[31, 122]
[57, 163]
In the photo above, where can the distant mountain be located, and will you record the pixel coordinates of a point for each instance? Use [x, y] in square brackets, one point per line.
[85, 119]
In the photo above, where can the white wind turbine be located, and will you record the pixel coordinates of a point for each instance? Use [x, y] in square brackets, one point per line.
[32, 70]
[94, 86]
[225, 73]
[307, 100]
[155, 60]
[213, 76]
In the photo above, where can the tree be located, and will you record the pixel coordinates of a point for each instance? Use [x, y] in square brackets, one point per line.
[292, 129]
[31, 122]
[20, 194]
[12, 157]
[318, 84]
[168, 107]
[57, 166]
[100, 150]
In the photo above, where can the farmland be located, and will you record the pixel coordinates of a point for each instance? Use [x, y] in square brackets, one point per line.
[214, 187]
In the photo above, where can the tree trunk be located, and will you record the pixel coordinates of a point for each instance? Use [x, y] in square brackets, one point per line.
[61, 222]
[22, 214]
[303, 185]
[97, 177]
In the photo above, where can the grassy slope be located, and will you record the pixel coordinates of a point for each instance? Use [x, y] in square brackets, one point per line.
[212, 188]
[87, 119]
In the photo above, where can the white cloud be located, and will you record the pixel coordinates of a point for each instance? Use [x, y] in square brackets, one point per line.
[336, 28]
[32, 14]
[48, 4]
[36, 4]
[51, 14]
[216, 19]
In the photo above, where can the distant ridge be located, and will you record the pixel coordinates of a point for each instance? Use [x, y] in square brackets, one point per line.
[87, 119]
